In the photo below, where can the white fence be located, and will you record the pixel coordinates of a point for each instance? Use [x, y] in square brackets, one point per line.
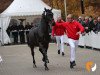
[91, 40]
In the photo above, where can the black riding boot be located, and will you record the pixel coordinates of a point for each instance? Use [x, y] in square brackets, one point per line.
[63, 54]
[72, 64]
[58, 51]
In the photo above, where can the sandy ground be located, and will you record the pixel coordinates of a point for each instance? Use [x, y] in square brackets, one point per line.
[17, 60]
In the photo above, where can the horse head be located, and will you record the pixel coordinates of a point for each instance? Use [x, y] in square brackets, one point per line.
[48, 15]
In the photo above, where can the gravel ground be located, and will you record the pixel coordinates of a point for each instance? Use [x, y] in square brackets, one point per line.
[17, 60]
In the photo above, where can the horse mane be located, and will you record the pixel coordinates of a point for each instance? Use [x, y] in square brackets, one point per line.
[43, 25]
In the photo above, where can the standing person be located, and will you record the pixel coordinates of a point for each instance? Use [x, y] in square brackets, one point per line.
[27, 27]
[81, 20]
[98, 18]
[73, 30]
[21, 33]
[14, 29]
[98, 23]
[8, 30]
[87, 28]
[91, 24]
[58, 31]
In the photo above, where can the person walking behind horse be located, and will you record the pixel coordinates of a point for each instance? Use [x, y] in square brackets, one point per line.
[73, 30]
[58, 31]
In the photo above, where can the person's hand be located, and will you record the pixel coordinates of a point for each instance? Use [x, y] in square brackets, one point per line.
[52, 37]
[83, 34]
[78, 33]
[86, 27]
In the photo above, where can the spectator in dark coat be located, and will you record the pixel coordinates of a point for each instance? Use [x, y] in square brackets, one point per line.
[14, 29]
[91, 24]
[21, 33]
[28, 27]
[81, 20]
[8, 30]
[98, 19]
[87, 24]
[95, 23]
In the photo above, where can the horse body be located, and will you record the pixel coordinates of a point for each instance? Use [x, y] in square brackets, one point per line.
[39, 37]
[34, 35]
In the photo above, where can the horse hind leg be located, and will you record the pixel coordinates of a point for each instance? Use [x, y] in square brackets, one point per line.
[32, 53]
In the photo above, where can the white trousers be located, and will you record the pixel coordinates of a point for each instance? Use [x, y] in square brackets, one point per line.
[73, 45]
[0, 59]
[60, 43]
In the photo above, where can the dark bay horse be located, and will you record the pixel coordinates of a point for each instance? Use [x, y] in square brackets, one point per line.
[39, 36]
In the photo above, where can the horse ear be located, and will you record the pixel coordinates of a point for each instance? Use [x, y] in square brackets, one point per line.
[44, 13]
[51, 9]
[45, 9]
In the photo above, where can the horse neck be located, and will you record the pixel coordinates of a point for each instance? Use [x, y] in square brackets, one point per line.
[44, 26]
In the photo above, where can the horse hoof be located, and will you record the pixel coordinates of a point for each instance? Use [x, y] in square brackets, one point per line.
[46, 68]
[34, 66]
[47, 61]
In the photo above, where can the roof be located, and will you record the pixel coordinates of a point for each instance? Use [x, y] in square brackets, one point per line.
[4, 4]
[26, 7]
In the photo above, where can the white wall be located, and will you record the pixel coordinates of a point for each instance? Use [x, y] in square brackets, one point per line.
[91, 40]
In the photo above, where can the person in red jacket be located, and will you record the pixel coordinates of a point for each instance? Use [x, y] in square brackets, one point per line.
[73, 31]
[58, 31]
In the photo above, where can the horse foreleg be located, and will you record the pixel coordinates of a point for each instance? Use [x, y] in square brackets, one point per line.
[46, 67]
[44, 56]
[45, 59]
[32, 52]
[46, 48]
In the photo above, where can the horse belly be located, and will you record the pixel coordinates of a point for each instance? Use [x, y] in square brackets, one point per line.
[33, 38]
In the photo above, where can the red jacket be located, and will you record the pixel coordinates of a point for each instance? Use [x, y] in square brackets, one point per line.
[72, 28]
[58, 29]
